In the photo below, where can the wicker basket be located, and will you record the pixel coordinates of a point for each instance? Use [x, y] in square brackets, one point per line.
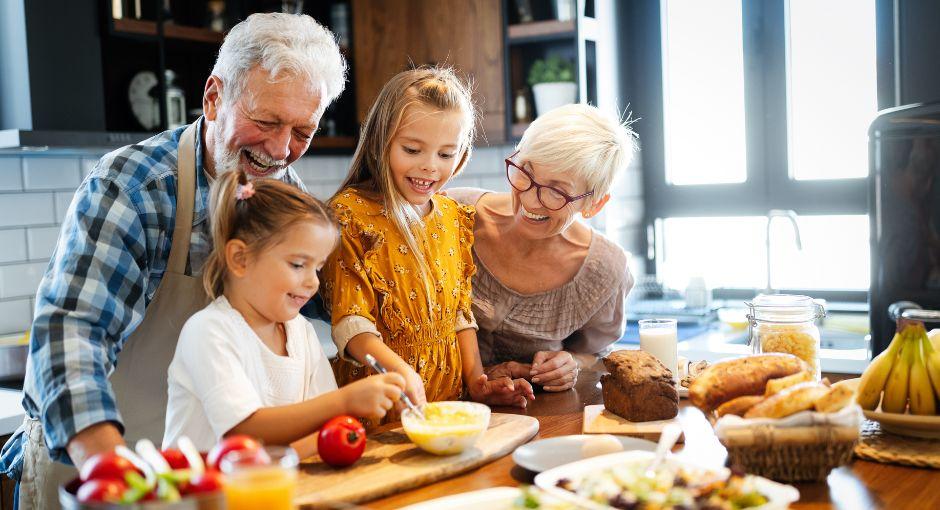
[793, 454]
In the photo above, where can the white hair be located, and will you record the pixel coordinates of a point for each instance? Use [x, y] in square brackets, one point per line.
[285, 45]
[583, 140]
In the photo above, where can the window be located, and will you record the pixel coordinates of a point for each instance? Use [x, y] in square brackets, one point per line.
[765, 105]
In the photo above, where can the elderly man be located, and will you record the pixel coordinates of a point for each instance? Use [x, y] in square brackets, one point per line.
[120, 284]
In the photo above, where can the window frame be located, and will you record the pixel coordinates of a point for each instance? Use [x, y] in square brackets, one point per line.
[768, 185]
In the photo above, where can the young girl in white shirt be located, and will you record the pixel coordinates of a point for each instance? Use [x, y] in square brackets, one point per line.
[248, 363]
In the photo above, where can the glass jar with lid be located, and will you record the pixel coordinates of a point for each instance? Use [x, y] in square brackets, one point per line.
[786, 323]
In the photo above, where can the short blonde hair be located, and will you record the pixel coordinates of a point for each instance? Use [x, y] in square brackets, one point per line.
[591, 144]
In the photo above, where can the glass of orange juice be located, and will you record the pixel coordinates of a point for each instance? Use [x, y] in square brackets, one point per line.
[260, 479]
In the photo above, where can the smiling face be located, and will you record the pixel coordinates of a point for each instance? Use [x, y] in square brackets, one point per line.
[269, 126]
[534, 220]
[425, 152]
[279, 279]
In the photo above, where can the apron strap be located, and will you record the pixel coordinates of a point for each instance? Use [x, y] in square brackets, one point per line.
[185, 193]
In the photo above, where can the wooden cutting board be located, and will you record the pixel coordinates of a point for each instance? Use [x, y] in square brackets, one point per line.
[392, 463]
[598, 420]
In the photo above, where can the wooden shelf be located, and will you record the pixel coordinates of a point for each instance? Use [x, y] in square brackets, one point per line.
[183, 32]
[541, 30]
[170, 31]
[333, 142]
[135, 26]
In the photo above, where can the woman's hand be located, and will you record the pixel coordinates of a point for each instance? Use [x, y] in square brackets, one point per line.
[373, 396]
[501, 391]
[554, 370]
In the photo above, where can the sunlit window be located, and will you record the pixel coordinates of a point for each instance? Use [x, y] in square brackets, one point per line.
[703, 82]
[832, 87]
[730, 252]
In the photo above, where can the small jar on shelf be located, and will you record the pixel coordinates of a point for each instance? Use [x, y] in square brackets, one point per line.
[786, 323]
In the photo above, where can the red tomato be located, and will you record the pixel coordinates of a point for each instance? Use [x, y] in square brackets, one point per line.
[341, 441]
[231, 444]
[106, 466]
[101, 490]
[175, 458]
[209, 481]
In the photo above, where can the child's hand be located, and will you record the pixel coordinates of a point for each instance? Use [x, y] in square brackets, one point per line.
[414, 386]
[373, 396]
[501, 391]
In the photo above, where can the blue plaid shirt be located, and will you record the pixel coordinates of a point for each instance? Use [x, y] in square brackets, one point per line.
[111, 255]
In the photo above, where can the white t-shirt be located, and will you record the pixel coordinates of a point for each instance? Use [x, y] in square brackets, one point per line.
[221, 373]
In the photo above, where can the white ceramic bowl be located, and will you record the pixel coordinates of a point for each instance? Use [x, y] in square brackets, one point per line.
[450, 427]
[779, 496]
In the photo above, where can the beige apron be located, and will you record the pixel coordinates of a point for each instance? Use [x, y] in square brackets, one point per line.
[140, 379]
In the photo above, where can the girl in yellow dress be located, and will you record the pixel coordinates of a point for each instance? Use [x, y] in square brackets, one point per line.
[398, 287]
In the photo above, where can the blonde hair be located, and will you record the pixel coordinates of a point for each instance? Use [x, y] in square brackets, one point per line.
[593, 145]
[259, 220]
[434, 87]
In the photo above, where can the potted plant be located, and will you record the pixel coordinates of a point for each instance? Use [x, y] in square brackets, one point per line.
[552, 81]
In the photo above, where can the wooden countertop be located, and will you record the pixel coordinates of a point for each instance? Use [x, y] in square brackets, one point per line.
[861, 485]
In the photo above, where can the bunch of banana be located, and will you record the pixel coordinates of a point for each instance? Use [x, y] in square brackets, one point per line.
[907, 373]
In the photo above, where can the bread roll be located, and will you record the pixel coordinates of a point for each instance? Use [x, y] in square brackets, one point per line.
[734, 378]
[838, 396]
[789, 401]
[738, 406]
[775, 386]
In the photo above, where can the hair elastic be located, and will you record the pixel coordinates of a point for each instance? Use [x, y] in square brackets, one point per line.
[244, 191]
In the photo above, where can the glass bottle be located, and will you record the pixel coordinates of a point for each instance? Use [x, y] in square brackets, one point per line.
[786, 323]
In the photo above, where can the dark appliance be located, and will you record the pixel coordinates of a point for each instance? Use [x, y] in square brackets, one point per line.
[904, 155]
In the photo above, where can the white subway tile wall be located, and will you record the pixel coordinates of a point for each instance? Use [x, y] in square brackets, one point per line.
[51, 173]
[36, 191]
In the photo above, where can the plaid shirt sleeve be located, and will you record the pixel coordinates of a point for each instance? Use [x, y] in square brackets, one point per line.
[91, 298]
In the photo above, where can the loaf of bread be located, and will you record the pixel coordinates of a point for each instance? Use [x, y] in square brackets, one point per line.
[775, 386]
[840, 395]
[638, 387]
[727, 380]
[738, 406]
[789, 401]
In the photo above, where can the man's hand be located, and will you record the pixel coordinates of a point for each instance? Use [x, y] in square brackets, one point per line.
[554, 370]
[99, 438]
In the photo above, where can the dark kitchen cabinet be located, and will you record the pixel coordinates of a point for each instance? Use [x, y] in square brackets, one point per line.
[392, 35]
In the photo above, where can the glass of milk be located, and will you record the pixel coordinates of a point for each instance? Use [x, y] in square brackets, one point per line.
[659, 338]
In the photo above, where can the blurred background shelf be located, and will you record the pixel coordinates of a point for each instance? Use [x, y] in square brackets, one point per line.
[541, 31]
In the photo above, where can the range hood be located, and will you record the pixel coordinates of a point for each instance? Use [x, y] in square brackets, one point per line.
[51, 78]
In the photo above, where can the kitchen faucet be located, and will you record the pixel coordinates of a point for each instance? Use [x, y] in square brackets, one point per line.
[784, 213]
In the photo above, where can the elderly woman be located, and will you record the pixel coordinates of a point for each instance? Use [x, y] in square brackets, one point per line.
[548, 293]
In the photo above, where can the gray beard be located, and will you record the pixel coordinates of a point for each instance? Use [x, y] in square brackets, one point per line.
[227, 160]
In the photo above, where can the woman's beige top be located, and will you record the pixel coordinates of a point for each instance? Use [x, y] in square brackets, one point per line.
[584, 315]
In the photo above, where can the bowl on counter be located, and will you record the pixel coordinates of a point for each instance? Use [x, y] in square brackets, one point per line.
[13, 352]
[68, 501]
[448, 428]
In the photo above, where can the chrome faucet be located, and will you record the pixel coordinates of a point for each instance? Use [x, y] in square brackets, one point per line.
[783, 213]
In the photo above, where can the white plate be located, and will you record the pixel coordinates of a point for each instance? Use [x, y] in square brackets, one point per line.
[497, 498]
[780, 496]
[907, 424]
[548, 453]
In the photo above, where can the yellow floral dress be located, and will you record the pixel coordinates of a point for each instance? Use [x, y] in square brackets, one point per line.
[373, 276]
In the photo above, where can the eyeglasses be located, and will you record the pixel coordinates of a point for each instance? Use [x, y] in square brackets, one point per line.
[550, 197]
